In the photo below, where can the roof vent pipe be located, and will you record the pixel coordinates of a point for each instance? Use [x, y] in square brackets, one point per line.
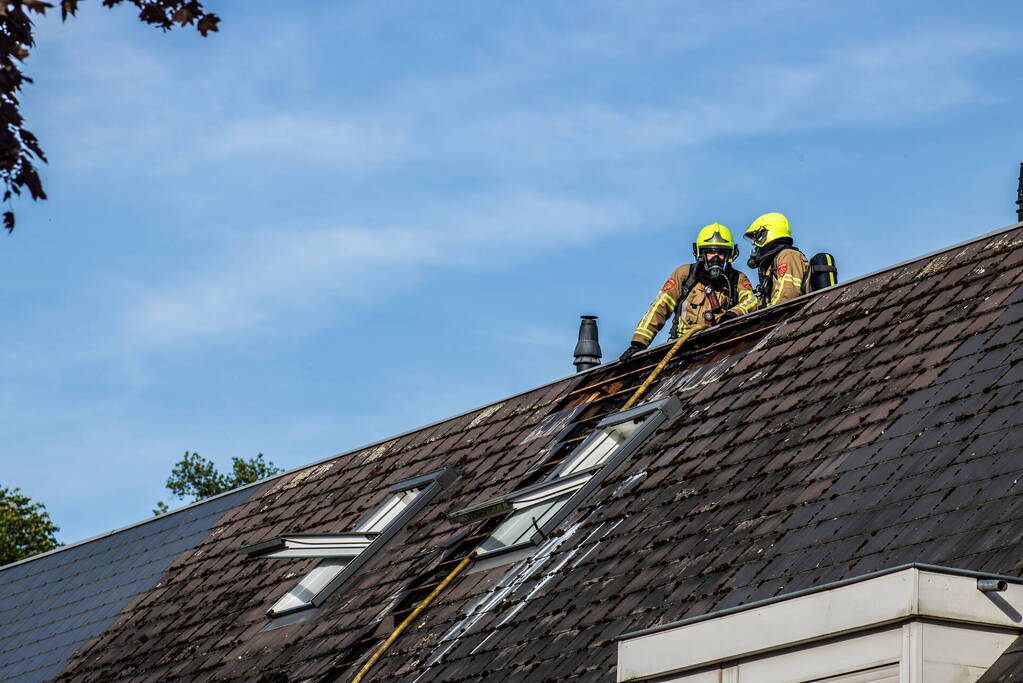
[992, 585]
[587, 351]
[1019, 196]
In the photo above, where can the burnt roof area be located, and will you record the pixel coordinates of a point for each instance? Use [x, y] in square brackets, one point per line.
[870, 425]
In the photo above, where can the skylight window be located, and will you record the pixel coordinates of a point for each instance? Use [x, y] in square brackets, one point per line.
[346, 552]
[521, 526]
[301, 596]
[313, 545]
[595, 450]
[388, 511]
[537, 510]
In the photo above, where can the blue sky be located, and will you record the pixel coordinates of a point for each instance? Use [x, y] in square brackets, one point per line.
[315, 230]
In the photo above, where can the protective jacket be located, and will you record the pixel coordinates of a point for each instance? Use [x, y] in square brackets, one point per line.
[782, 278]
[703, 298]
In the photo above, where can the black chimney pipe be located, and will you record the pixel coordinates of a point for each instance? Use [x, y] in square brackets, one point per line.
[587, 351]
[1019, 196]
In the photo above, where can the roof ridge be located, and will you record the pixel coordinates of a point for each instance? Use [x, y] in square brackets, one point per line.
[928, 255]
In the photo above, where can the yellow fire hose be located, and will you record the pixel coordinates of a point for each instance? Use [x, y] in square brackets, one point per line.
[660, 366]
[384, 646]
[409, 619]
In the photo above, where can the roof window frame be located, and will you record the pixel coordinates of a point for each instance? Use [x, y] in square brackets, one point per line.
[429, 485]
[556, 483]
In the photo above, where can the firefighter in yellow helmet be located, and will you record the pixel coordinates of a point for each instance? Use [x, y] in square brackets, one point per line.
[782, 269]
[707, 292]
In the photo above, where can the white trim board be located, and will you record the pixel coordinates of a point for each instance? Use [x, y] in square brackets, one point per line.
[912, 594]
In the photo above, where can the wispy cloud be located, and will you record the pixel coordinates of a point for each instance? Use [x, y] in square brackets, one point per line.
[293, 138]
[281, 272]
[478, 121]
[532, 337]
[497, 111]
[888, 81]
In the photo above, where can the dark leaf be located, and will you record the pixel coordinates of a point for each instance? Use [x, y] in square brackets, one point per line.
[184, 15]
[28, 177]
[37, 6]
[152, 13]
[68, 8]
[208, 23]
[18, 26]
[10, 79]
[10, 150]
[32, 143]
[9, 220]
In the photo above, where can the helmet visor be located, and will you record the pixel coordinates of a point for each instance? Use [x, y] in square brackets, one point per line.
[757, 236]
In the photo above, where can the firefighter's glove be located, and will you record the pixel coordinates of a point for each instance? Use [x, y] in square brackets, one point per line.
[633, 348]
[729, 315]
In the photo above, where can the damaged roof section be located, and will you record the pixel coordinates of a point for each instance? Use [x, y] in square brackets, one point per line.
[871, 425]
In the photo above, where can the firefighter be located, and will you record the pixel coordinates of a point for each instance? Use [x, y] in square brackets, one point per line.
[782, 269]
[704, 293]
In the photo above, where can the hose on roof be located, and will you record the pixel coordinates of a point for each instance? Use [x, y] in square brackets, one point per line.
[660, 366]
[384, 646]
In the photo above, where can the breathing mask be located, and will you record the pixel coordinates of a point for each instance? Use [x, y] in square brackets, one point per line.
[715, 262]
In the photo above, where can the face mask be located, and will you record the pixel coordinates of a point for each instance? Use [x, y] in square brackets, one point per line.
[715, 266]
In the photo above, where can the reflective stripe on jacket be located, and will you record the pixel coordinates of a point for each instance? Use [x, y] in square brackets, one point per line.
[697, 303]
[789, 272]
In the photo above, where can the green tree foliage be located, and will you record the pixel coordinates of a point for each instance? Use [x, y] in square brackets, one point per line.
[25, 527]
[19, 148]
[198, 477]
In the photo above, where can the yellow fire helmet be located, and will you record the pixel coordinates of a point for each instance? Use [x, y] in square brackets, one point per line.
[717, 236]
[768, 228]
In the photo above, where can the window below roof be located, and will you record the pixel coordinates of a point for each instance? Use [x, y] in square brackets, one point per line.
[344, 553]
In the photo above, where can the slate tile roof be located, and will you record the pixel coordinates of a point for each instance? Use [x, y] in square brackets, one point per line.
[54, 603]
[871, 425]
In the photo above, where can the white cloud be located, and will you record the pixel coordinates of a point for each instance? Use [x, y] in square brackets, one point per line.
[503, 113]
[478, 123]
[293, 139]
[890, 81]
[533, 338]
[283, 272]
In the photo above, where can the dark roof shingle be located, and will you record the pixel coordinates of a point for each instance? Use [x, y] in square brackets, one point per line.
[871, 425]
